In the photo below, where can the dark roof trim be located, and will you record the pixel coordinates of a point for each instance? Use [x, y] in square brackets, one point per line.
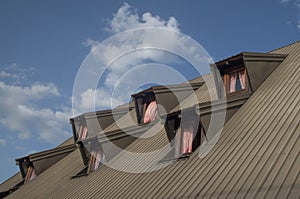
[178, 87]
[103, 113]
[249, 56]
[22, 159]
[48, 153]
[220, 105]
[7, 192]
[117, 134]
[53, 152]
[166, 89]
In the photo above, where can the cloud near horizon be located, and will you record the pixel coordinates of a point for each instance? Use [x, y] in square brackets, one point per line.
[20, 113]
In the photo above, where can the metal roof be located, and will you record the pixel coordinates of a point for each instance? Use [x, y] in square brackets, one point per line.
[201, 95]
[53, 179]
[257, 155]
[11, 182]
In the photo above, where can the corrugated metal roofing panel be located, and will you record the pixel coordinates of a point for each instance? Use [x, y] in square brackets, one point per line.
[125, 121]
[256, 155]
[53, 179]
[11, 182]
[201, 95]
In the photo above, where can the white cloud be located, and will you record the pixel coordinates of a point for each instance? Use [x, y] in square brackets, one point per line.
[93, 99]
[296, 4]
[14, 95]
[127, 18]
[2, 142]
[284, 1]
[90, 43]
[4, 74]
[19, 112]
[16, 74]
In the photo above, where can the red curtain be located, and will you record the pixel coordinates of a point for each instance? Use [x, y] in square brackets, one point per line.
[232, 84]
[242, 77]
[151, 112]
[187, 144]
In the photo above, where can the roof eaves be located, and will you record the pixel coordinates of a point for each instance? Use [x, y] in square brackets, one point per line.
[52, 152]
[221, 104]
[176, 87]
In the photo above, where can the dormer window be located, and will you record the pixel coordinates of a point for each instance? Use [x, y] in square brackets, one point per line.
[80, 129]
[188, 137]
[237, 81]
[150, 110]
[96, 159]
[26, 168]
[30, 174]
[158, 101]
[244, 72]
[92, 154]
[146, 107]
[83, 132]
[185, 135]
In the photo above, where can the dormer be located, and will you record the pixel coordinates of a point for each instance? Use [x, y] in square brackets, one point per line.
[26, 168]
[90, 124]
[107, 145]
[34, 164]
[245, 72]
[185, 133]
[157, 101]
[92, 154]
[145, 106]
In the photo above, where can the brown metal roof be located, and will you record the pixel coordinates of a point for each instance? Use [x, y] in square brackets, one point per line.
[11, 182]
[257, 155]
[54, 178]
[202, 95]
[67, 142]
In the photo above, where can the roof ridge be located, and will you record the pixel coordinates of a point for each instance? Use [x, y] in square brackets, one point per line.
[284, 46]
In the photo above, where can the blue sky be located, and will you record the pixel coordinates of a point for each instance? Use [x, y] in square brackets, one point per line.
[43, 44]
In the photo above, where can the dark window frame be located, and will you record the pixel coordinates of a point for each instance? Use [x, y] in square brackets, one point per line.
[30, 173]
[226, 80]
[142, 102]
[88, 158]
[199, 137]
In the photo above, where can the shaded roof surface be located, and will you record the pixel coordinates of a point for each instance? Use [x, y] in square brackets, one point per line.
[53, 179]
[17, 178]
[257, 155]
[201, 95]
[11, 182]
[128, 120]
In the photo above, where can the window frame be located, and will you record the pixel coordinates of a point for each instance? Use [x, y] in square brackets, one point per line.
[142, 103]
[93, 159]
[196, 139]
[78, 125]
[30, 174]
[199, 137]
[88, 159]
[226, 80]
